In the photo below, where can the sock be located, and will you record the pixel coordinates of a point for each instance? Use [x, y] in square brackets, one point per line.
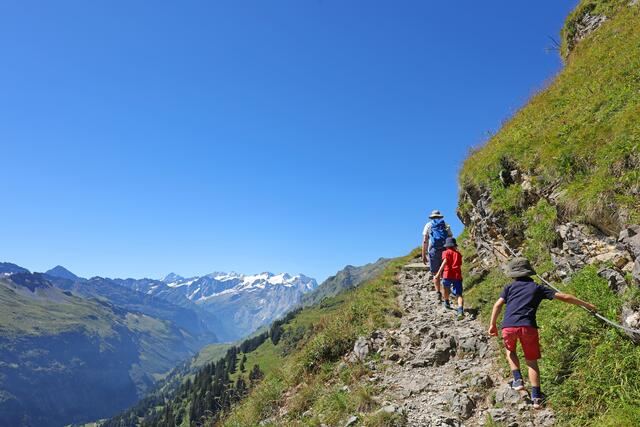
[535, 392]
[517, 375]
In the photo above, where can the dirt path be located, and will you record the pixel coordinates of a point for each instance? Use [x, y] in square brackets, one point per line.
[442, 371]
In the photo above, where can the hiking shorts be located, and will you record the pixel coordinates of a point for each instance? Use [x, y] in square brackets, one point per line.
[454, 285]
[435, 259]
[528, 337]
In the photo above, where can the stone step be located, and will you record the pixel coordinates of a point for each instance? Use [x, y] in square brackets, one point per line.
[416, 266]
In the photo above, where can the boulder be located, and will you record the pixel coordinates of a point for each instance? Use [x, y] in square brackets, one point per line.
[389, 409]
[508, 396]
[360, 349]
[351, 421]
[631, 319]
[616, 281]
[437, 352]
[498, 415]
[462, 405]
[630, 238]
[481, 381]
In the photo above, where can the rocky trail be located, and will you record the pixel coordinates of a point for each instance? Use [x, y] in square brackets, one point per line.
[444, 372]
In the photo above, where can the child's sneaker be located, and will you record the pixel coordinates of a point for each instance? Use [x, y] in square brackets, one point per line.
[460, 312]
[439, 296]
[446, 305]
[538, 402]
[517, 385]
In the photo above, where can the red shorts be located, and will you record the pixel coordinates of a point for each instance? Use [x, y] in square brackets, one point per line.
[528, 337]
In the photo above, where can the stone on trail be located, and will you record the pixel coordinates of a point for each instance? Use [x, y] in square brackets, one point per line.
[462, 405]
[360, 349]
[351, 421]
[508, 396]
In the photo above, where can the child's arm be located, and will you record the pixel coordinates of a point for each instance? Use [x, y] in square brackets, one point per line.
[497, 307]
[444, 262]
[568, 298]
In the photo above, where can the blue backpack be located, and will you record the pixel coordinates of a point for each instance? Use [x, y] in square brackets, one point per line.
[438, 235]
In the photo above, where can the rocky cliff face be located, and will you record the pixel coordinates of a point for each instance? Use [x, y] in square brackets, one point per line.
[609, 244]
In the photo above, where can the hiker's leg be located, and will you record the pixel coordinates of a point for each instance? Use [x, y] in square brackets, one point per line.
[436, 282]
[510, 338]
[435, 260]
[445, 292]
[531, 348]
[534, 372]
[457, 291]
[512, 358]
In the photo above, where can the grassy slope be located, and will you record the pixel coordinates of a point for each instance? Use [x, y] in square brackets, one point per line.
[581, 133]
[312, 367]
[26, 314]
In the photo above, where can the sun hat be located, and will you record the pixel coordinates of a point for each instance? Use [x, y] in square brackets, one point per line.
[519, 267]
[436, 214]
[450, 242]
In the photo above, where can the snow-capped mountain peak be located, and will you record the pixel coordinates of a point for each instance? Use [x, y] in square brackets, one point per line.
[202, 288]
[172, 277]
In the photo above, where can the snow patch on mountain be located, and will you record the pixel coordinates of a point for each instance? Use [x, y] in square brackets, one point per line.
[215, 284]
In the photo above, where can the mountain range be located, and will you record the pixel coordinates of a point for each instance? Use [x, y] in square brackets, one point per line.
[74, 350]
[241, 303]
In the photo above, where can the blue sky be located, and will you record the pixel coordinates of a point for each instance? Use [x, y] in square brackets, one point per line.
[139, 138]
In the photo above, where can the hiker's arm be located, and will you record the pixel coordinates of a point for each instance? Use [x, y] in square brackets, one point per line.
[439, 273]
[425, 239]
[497, 308]
[568, 298]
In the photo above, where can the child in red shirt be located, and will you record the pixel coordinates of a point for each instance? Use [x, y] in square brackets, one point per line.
[451, 271]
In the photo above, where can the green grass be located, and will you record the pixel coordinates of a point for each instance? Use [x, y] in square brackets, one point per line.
[591, 370]
[313, 372]
[267, 356]
[209, 354]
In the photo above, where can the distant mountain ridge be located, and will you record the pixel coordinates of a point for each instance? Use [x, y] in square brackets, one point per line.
[62, 273]
[7, 268]
[243, 303]
[347, 278]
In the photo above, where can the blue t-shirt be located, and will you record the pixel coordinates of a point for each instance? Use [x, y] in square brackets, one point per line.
[523, 298]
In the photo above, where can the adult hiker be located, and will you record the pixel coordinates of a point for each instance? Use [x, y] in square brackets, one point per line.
[522, 297]
[451, 273]
[434, 236]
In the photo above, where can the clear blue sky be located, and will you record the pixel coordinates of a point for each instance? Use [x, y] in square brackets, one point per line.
[138, 138]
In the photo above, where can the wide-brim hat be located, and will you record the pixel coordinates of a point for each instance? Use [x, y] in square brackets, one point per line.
[436, 214]
[450, 242]
[519, 267]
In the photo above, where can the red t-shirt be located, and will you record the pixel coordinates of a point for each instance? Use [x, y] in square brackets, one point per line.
[453, 268]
